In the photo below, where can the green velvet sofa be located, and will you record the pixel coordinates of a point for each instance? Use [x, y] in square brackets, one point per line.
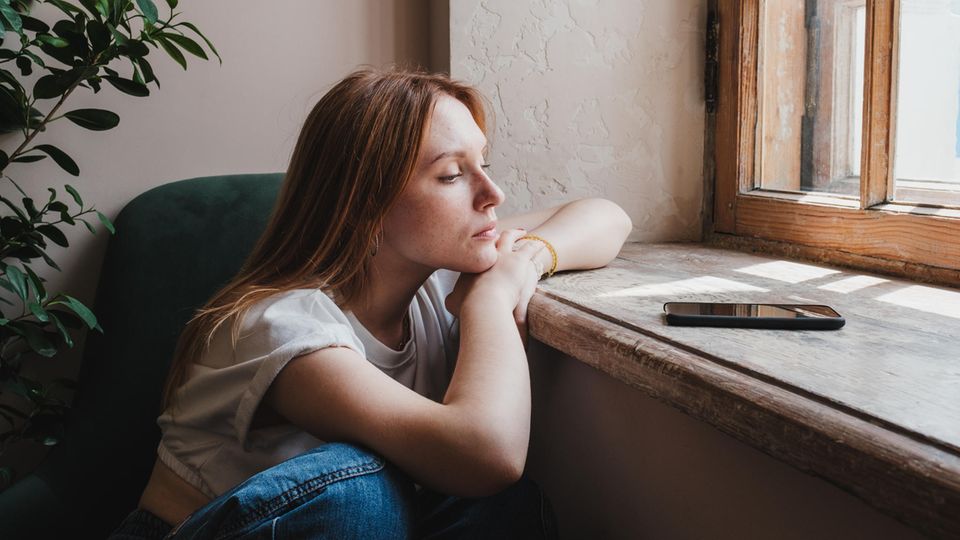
[175, 245]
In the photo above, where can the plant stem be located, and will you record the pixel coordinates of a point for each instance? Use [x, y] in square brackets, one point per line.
[43, 122]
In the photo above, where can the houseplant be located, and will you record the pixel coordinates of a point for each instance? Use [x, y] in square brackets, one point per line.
[93, 44]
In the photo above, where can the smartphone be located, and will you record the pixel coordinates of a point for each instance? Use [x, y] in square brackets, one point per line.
[775, 316]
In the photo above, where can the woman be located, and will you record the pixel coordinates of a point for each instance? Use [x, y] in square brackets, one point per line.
[363, 375]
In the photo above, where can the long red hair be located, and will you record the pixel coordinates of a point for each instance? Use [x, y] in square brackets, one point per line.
[355, 154]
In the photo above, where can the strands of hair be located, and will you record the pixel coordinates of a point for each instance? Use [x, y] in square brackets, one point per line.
[355, 153]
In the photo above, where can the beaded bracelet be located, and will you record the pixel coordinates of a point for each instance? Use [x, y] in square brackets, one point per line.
[553, 252]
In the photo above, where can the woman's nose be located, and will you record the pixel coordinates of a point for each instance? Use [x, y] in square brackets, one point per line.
[489, 194]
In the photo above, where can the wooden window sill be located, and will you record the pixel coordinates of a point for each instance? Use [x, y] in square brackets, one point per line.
[873, 408]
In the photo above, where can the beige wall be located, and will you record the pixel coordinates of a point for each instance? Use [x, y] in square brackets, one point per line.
[592, 98]
[243, 116]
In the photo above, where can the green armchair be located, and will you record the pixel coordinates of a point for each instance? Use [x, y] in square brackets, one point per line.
[175, 246]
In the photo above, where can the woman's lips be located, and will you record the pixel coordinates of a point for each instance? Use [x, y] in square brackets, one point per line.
[489, 233]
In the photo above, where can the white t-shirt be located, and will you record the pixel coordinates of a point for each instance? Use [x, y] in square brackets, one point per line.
[207, 438]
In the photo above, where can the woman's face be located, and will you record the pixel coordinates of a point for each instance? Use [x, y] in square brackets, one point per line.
[445, 217]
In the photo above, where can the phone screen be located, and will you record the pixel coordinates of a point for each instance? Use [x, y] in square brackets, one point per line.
[782, 311]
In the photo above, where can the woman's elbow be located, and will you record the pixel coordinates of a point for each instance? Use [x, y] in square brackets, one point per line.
[621, 222]
[615, 219]
[495, 476]
[497, 463]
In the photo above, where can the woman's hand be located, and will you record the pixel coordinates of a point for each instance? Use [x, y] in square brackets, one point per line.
[514, 276]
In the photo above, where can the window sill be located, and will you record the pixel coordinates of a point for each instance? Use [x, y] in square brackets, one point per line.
[872, 408]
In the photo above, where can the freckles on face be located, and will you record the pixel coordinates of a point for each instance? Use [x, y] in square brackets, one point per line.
[443, 218]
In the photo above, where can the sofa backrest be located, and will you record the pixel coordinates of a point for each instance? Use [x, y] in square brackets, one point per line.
[175, 246]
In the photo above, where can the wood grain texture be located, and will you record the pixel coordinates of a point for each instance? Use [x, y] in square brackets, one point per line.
[930, 240]
[876, 171]
[732, 134]
[900, 269]
[873, 408]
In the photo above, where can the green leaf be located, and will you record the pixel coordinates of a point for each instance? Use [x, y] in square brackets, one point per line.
[31, 208]
[197, 31]
[36, 59]
[88, 225]
[149, 10]
[134, 48]
[23, 217]
[38, 311]
[25, 65]
[106, 223]
[63, 160]
[12, 18]
[99, 35]
[54, 234]
[187, 44]
[38, 341]
[172, 50]
[18, 281]
[53, 41]
[81, 310]
[73, 193]
[5, 283]
[50, 262]
[147, 70]
[103, 8]
[34, 25]
[64, 333]
[117, 35]
[28, 159]
[127, 86]
[37, 282]
[51, 86]
[66, 7]
[172, 3]
[94, 119]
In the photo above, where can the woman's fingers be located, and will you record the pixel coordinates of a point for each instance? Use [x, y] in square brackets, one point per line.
[508, 238]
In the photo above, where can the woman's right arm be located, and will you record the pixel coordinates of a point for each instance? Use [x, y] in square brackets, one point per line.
[475, 442]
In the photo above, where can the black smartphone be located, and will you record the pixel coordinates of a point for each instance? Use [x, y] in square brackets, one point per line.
[776, 316]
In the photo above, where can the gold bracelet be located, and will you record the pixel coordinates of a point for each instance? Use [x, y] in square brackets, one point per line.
[553, 252]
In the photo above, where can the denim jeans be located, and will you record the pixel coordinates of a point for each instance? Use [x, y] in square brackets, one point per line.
[342, 491]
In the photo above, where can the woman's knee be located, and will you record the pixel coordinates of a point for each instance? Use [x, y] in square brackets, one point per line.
[334, 491]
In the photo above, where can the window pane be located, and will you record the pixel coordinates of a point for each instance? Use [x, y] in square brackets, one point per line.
[927, 158]
[810, 95]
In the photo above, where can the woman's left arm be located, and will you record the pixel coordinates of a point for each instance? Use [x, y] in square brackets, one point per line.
[586, 233]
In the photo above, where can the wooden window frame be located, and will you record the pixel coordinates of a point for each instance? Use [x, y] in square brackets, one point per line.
[870, 232]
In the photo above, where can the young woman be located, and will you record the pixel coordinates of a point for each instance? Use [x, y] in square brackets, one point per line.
[364, 374]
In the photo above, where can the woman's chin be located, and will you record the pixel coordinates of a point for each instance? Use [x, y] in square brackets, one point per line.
[479, 262]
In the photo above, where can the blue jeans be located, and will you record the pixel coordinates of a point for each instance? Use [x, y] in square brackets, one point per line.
[342, 491]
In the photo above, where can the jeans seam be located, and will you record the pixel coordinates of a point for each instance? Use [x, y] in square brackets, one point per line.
[290, 496]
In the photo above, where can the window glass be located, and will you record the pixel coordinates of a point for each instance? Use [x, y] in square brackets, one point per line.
[810, 95]
[927, 155]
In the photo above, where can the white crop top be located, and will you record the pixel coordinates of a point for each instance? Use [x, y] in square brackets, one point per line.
[207, 438]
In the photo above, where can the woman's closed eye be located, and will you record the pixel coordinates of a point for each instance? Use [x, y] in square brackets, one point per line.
[451, 177]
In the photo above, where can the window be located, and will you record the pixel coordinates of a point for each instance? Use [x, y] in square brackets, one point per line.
[837, 127]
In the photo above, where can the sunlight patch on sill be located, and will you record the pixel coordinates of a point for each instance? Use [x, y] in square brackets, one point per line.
[787, 271]
[698, 285]
[929, 299]
[851, 284]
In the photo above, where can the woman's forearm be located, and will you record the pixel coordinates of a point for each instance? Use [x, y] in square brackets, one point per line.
[490, 387]
[587, 233]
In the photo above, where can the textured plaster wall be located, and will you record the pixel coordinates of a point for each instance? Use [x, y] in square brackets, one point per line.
[241, 117]
[592, 98]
